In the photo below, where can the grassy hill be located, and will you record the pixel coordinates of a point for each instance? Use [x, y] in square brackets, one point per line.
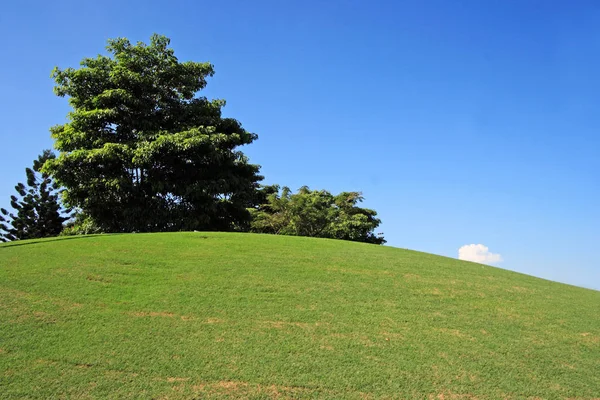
[215, 315]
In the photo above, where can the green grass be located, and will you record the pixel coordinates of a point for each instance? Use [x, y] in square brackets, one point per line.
[215, 315]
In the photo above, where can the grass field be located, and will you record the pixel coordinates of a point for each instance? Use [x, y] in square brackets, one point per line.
[215, 315]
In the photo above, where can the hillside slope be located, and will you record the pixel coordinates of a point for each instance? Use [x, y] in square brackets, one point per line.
[217, 315]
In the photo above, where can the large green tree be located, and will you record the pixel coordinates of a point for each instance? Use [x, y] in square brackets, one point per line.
[315, 213]
[141, 151]
[36, 211]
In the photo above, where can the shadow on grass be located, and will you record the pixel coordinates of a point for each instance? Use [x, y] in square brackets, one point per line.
[16, 243]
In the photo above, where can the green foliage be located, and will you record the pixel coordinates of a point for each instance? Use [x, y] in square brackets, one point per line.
[82, 224]
[315, 213]
[245, 316]
[37, 210]
[142, 152]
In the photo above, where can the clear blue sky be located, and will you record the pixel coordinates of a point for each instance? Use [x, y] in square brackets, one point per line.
[462, 122]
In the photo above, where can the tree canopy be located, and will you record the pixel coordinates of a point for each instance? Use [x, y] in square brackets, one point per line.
[141, 151]
[315, 213]
[36, 210]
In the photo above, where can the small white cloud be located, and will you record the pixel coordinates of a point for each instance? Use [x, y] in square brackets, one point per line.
[478, 253]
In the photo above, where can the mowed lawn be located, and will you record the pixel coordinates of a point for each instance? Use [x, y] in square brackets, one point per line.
[221, 315]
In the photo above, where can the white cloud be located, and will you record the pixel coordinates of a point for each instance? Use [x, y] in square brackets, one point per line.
[478, 253]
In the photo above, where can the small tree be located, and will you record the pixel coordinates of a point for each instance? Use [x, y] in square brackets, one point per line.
[315, 213]
[37, 213]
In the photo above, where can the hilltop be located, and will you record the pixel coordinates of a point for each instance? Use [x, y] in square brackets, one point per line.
[217, 315]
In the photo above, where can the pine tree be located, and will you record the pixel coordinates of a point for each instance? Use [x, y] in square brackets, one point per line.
[37, 209]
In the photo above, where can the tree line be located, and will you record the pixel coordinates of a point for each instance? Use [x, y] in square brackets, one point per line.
[142, 151]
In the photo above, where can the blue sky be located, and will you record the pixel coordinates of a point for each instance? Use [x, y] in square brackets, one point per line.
[462, 122]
